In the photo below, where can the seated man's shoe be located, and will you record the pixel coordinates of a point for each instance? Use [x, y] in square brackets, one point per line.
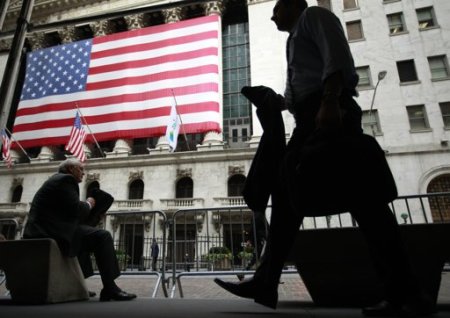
[107, 295]
[92, 294]
[250, 288]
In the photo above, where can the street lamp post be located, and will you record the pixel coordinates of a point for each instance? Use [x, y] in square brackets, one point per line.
[381, 76]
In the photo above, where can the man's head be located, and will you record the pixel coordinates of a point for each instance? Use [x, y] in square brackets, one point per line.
[73, 167]
[286, 13]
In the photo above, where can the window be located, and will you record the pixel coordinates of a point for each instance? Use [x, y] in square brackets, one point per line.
[354, 30]
[396, 23]
[371, 122]
[364, 77]
[17, 194]
[184, 188]
[236, 185]
[445, 111]
[350, 4]
[236, 74]
[438, 67]
[324, 4]
[136, 191]
[417, 118]
[426, 19]
[235, 135]
[407, 71]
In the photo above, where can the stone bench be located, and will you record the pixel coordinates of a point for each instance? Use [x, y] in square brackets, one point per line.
[337, 270]
[37, 273]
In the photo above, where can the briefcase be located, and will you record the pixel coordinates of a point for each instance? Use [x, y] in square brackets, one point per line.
[338, 172]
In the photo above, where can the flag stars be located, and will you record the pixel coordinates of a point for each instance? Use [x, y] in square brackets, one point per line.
[57, 70]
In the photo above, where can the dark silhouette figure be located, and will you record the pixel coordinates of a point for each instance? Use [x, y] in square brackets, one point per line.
[57, 212]
[321, 81]
[154, 254]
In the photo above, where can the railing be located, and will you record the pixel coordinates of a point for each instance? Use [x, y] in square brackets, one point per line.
[198, 242]
[231, 201]
[194, 234]
[182, 203]
[129, 205]
[8, 231]
[134, 234]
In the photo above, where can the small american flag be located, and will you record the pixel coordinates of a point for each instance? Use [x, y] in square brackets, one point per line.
[6, 145]
[76, 140]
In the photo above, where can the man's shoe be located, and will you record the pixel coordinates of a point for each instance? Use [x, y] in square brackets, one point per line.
[107, 295]
[382, 309]
[250, 288]
[409, 310]
[92, 294]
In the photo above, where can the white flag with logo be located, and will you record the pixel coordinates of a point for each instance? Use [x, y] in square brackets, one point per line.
[173, 127]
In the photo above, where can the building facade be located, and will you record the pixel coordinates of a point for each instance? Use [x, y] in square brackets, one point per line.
[401, 50]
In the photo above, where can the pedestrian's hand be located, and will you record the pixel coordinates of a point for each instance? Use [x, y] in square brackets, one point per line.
[329, 116]
[91, 202]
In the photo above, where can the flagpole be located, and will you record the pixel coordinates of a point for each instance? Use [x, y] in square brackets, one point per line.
[90, 131]
[15, 140]
[181, 122]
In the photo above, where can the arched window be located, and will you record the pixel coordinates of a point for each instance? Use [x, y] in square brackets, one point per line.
[184, 188]
[17, 194]
[236, 185]
[440, 206]
[93, 185]
[136, 190]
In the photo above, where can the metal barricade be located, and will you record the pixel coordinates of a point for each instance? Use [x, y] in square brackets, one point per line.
[134, 234]
[220, 241]
[8, 230]
[411, 209]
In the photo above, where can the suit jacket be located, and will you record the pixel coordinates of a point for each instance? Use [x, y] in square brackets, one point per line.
[264, 170]
[56, 212]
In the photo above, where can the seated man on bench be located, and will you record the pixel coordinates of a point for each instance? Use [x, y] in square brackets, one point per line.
[57, 212]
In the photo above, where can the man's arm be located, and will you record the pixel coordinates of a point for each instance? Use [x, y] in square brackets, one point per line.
[329, 115]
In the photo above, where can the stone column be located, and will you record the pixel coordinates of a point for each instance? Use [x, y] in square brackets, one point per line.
[171, 16]
[135, 21]
[212, 139]
[67, 34]
[47, 154]
[37, 40]
[5, 44]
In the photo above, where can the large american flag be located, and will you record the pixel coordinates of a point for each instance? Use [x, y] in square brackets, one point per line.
[123, 84]
[76, 140]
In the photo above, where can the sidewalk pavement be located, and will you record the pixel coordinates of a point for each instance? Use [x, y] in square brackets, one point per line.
[291, 288]
[203, 299]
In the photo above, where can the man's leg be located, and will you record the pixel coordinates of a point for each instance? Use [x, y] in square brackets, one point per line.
[382, 233]
[100, 243]
[284, 225]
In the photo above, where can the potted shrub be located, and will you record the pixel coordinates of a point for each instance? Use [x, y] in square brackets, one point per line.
[122, 258]
[220, 257]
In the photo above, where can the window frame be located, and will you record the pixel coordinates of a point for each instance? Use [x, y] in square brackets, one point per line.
[369, 77]
[445, 116]
[433, 18]
[426, 127]
[403, 24]
[444, 60]
[366, 124]
[355, 7]
[353, 22]
[402, 82]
